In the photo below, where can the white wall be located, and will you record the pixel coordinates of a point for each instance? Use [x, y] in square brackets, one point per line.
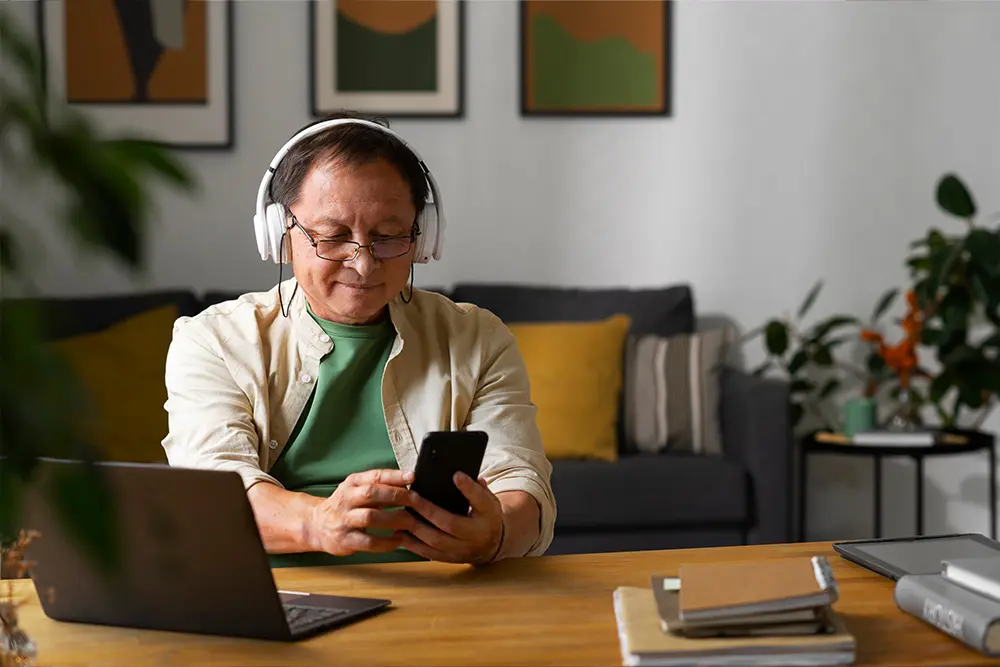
[806, 142]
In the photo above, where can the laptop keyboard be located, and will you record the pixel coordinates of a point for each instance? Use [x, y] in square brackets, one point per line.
[300, 616]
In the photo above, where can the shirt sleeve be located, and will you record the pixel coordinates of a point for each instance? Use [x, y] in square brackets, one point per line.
[210, 418]
[515, 459]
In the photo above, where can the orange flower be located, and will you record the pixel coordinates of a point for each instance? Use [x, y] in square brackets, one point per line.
[901, 357]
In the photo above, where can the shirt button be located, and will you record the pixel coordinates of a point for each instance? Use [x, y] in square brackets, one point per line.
[273, 444]
[324, 338]
[305, 378]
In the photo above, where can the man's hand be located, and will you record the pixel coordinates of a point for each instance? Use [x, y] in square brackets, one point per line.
[458, 539]
[338, 524]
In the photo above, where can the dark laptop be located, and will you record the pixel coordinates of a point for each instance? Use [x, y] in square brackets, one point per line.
[190, 559]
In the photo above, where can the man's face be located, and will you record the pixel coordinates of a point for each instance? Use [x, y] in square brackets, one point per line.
[362, 204]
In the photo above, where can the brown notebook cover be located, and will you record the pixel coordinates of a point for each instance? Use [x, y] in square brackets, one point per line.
[666, 592]
[642, 642]
[719, 590]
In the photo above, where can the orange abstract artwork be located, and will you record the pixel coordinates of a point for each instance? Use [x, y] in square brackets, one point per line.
[136, 51]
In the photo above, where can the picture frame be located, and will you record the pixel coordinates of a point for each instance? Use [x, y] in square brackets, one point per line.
[395, 59]
[159, 69]
[560, 38]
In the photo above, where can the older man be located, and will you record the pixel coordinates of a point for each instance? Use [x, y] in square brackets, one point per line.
[319, 391]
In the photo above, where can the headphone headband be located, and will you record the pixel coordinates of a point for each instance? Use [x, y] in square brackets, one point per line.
[269, 219]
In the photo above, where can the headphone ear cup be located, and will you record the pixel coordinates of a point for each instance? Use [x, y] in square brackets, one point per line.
[274, 229]
[427, 238]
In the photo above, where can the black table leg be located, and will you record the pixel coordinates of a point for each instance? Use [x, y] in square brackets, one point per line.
[993, 491]
[802, 493]
[878, 496]
[920, 494]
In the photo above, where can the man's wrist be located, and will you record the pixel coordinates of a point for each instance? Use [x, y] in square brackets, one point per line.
[495, 554]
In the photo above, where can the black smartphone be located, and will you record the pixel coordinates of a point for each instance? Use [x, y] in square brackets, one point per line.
[442, 454]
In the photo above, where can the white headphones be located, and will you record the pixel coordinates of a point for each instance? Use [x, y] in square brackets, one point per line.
[270, 219]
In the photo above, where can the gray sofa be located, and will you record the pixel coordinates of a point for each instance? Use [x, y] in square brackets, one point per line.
[664, 501]
[640, 501]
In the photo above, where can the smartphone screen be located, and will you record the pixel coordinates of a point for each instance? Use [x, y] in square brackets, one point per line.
[442, 454]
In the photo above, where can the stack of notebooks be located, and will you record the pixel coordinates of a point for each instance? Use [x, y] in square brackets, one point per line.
[963, 600]
[773, 612]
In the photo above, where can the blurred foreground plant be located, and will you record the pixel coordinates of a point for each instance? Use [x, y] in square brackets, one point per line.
[103, 185]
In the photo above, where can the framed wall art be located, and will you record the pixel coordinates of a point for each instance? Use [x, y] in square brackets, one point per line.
[402, 58]
[159, 68]
[595, 57]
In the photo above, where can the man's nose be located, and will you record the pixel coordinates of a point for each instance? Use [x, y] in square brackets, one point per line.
[364, 263]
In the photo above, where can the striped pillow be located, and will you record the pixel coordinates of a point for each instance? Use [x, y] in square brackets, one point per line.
[671, 398]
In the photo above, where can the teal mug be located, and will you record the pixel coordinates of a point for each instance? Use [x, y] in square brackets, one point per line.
[859, 415]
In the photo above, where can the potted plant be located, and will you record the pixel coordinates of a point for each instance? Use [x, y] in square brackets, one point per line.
[956, 287]
[815, 360]
[104, 183]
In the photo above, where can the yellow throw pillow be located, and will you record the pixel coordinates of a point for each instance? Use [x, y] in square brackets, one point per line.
[575, 371]
[122, 370]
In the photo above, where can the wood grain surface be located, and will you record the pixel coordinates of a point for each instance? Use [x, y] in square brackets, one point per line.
[554, 610]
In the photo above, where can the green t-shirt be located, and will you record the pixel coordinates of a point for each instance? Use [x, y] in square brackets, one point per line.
[342, 430]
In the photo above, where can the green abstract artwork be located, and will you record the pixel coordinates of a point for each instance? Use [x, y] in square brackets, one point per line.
[372, 58]
[387, 57]
[595, 56]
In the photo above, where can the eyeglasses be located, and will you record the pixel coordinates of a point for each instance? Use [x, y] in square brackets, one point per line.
[338, 250]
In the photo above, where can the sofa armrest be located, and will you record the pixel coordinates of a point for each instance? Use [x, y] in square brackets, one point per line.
[756, 431]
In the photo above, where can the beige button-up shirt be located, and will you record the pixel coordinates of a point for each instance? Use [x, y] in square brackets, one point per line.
[239, 375]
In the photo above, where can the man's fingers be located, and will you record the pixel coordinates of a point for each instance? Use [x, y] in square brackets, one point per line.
[436, 539]
[361, 541]
[481, 498]
[361, 518]
[442, 519]
[380, 476]
[416, 546]
[380, 495]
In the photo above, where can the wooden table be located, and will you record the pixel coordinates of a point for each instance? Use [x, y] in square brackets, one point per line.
[543, 611]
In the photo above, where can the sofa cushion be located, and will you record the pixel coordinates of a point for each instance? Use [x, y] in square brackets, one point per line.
[121, 371]
[575, 371]
[645, 490]
[672, 392]
[64, 317]
[663, 311]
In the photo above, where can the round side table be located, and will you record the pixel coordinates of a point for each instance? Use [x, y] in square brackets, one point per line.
[976, 441]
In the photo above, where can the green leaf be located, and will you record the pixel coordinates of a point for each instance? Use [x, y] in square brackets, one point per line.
[919, 264]
[945, 266]
[810, 299]
[884, 303]
[830, 386]
[8, 251]
[146, 154]
[10, 494]
[823, 357]
[801, 386]
[776, 337]
[798, 360]
[828, 326]
[984, 248]
[931, 336]
[85, 503]
[939, 387]
[954, 197]
[795, 413]
[875, 363]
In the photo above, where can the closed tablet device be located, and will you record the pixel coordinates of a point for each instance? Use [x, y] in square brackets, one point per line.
[898, 556]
